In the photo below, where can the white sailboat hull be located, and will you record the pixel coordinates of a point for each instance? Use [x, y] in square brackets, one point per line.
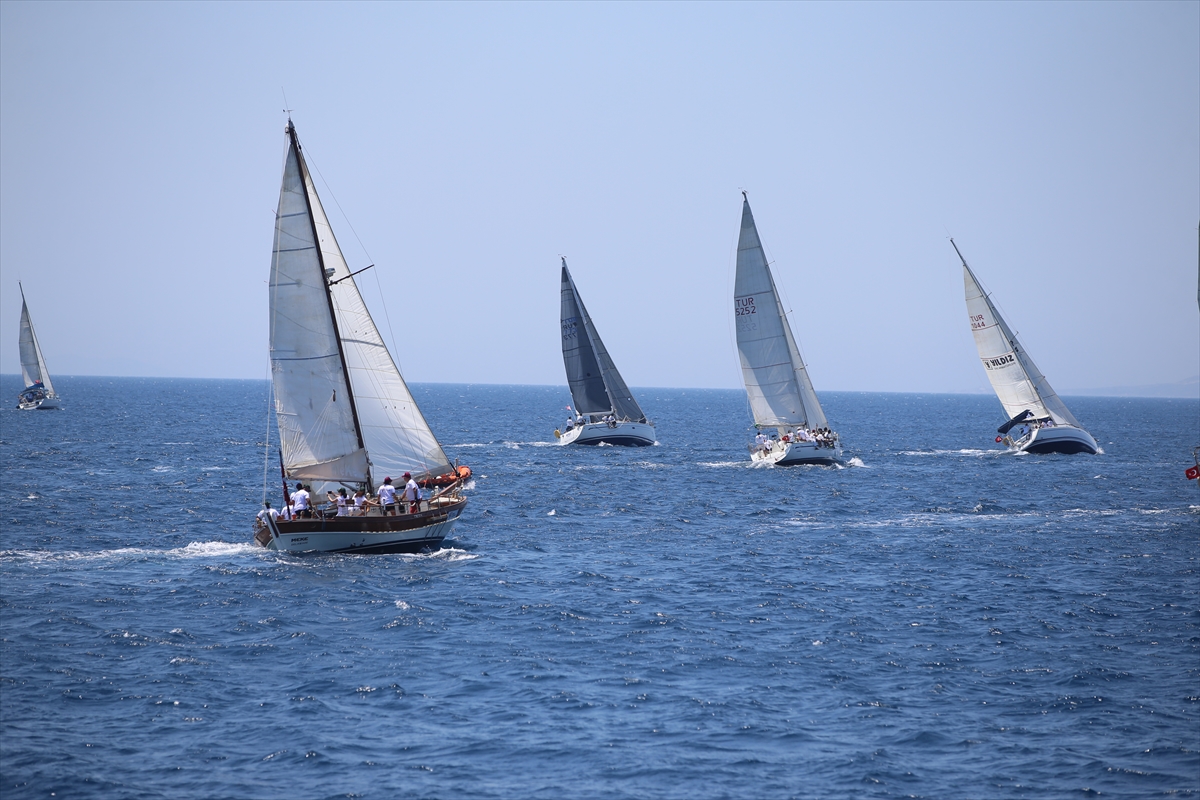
[370, 535]
[1058, 439]
[626, 434]
[43, 403]
[786, 454]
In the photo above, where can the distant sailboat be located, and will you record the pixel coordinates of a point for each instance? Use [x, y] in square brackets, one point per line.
[781, 394]
[346, 418]
[1038, 422]
[38, 391]
[605, 411]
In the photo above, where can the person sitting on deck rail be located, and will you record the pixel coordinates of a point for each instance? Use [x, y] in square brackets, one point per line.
[387, 498]
[266, 513]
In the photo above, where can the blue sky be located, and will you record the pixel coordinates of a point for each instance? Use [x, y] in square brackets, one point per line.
[469, 145]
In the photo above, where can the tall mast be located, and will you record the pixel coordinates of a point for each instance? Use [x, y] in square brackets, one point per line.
[304, 178]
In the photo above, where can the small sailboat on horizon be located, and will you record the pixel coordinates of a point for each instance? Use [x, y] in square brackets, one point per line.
[346, 417]
[39, 391]
[605, 411]
[1039, 421]
[777, 383]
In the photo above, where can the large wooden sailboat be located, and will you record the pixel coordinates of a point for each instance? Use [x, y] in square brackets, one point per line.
[38, 391]
[346, 417]
[792, 427]
[1039, 421]
[605, 411]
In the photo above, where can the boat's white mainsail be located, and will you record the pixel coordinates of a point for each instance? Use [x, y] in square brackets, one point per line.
[33, 366]
[596, 385]
[1017, 381]
[338, 394]
[777, 383]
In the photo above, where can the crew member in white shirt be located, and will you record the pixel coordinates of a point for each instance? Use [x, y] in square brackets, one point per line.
[412, 493]
[267, 513]
[300, 501]
[387, 498]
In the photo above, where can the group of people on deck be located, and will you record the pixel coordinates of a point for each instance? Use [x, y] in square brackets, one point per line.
[577, 421]
[822, 437]
[387, 499]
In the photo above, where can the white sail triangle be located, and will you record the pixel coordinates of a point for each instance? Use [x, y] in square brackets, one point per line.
[345, 413]
[777, 382]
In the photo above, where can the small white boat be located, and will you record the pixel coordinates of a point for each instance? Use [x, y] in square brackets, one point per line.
[1039, 421]
[792, 427]
[346, 417]
[38, 391]
[605, 411]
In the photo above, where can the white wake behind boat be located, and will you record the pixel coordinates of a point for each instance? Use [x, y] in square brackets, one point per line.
[346, 417]
[782, 398]
[39, 391]
[605, 411]
[1039, 421]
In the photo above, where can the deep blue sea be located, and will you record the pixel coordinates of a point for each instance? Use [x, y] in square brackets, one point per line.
[940, 619]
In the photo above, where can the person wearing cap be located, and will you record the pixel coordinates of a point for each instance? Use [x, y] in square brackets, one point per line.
[387, 498]
[412, 493]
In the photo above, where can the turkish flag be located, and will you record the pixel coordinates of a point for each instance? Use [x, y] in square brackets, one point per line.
[1193, 473]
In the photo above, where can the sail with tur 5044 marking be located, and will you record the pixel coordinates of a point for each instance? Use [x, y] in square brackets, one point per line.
[1017, 381]
[777, 382]
[344, 412]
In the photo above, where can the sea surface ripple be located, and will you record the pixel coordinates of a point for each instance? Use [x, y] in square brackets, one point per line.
[938, 619]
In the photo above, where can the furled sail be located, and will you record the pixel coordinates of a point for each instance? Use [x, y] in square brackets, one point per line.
[596, 385]
[33, 367]
[1017, 381]
[777, 383]
[338, 394]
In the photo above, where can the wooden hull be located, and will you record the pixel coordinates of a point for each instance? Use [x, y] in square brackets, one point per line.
[369, 535]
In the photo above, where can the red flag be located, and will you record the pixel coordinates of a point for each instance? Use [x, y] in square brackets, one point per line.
[1193, 473]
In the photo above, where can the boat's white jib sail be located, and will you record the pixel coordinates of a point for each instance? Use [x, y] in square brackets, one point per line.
[33, 365]
[777, 382]
[596, 385]
[1018, 383]
[344, 412]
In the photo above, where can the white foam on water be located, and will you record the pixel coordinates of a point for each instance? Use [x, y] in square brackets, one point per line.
[551, 513]
[191, 550]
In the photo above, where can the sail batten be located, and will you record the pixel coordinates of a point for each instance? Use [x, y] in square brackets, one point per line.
[324, 344]
[1019, 384]
[595, 383]
[777, 382]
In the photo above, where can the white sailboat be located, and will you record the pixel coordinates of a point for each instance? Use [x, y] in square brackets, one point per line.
[605, 411]
[792, 427]
[346, 418]
[1038, 422]
[38, 391]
